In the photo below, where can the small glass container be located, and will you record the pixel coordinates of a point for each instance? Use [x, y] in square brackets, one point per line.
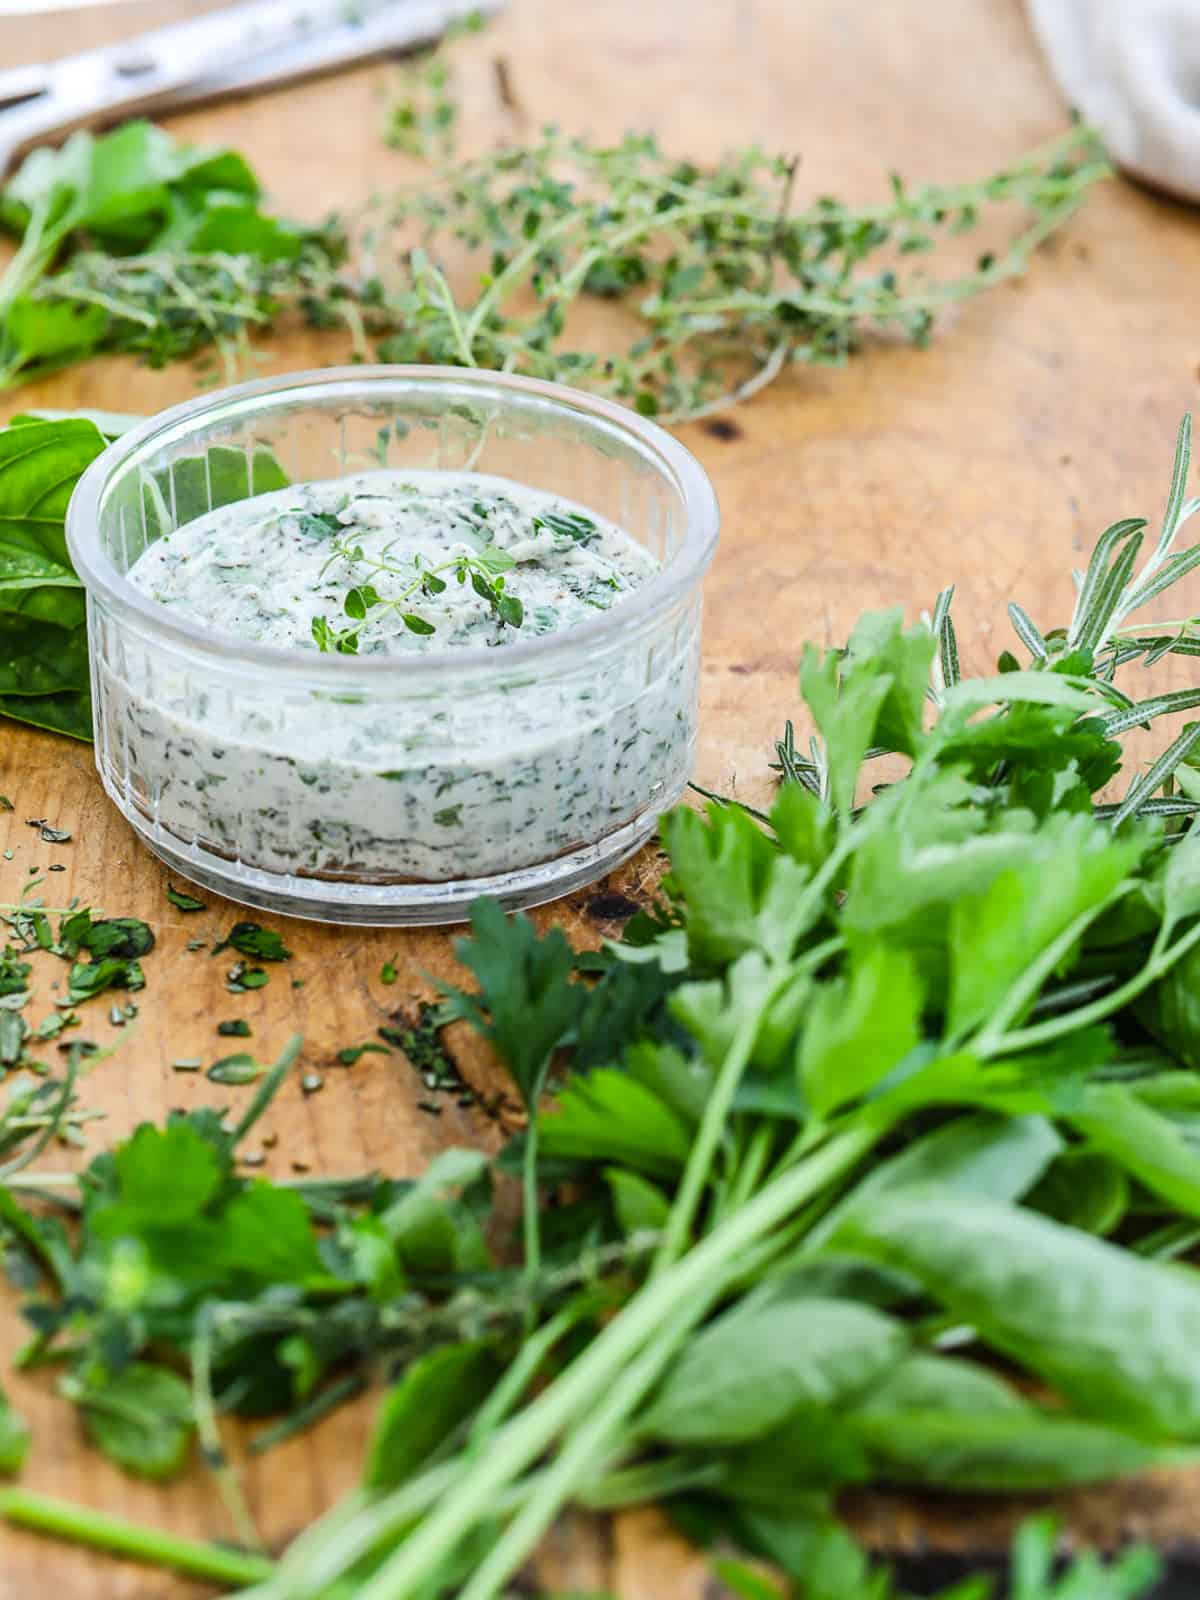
[394, 789]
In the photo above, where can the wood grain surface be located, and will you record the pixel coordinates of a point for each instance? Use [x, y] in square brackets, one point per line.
[1041, 412]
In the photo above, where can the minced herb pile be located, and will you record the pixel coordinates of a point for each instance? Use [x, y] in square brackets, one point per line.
[870, 1158]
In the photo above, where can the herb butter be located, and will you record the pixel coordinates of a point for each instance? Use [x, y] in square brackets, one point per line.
[381, 784]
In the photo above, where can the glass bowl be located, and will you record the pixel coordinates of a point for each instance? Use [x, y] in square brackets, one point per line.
[388, 789]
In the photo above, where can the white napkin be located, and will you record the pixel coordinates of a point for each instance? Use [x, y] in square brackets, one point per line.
[1132, 69]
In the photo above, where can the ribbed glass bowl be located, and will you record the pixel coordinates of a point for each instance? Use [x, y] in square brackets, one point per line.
[394, 789]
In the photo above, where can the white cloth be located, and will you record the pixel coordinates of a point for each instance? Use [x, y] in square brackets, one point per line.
[1131, 68]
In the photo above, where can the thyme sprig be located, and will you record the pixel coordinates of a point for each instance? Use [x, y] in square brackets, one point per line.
[484, 570]
[727, 283]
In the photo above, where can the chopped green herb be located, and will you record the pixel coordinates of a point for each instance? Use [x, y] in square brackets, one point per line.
[183, 901]
[237, 1069]
[187, 1064]
[387, 973]
[249, 939]
[241, 978]
[236, 1028]
[351, 1053]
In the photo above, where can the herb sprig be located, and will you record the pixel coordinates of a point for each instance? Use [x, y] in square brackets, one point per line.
[484, 570]
[729, 283]
[884, 1063]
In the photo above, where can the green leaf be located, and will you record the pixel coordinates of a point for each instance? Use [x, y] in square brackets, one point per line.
[436, 1394]
[1013, 1452]
[997, 1157]
[846, 710]
[881, 644]
[90, 978]
[236, 1070]
[745, 1372]
[141, 1418]
[40, 658]
[610, 1116]
[640, 1206]
[1117, 1336]
[753, 994]
[182, 901]
[266, 1235]
[1012, 688]
[1170, 1009]
[250, 939]
[1148, 1146]
[802, 824]
[1084, 1189]
[860, 1026]
[430, 1233]
[167, 1174]
[1075, 866]
[527, 1005]
[39, 467]
[741, 892]
[69, 713]
[50, 333]
[927, 1382]
[1181, 882]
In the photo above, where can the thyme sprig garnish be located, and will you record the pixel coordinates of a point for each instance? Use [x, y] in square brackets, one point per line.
[484, 570]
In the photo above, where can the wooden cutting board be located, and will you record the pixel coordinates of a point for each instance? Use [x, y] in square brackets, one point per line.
[1041, 412]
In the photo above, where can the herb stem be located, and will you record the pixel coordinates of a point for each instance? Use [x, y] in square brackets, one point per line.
[692, 1283]
[1027, 987]
[712, 1129]
[531, 1216]
[64, 1520]
[1072, 1021]
[208, 1430]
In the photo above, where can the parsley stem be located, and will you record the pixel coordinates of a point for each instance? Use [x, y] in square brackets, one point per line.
[531, 1221]
[670, 1304]
[99, 1530]
[712, 1129]
[1073, 1021]
[1028, 986]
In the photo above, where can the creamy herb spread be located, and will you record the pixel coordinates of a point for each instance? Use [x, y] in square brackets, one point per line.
[367, 785]
[388, 562]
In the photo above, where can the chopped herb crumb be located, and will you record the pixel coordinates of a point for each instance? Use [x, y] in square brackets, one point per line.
[249, 939]
[240, 978]
[237, 1028]
[182, 901]
[238, 1069]
[5, 803]
[387, 973]
[187, 1064]
[46, 833]
[352, 1052]
[311, 1082]
[419, 1037]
